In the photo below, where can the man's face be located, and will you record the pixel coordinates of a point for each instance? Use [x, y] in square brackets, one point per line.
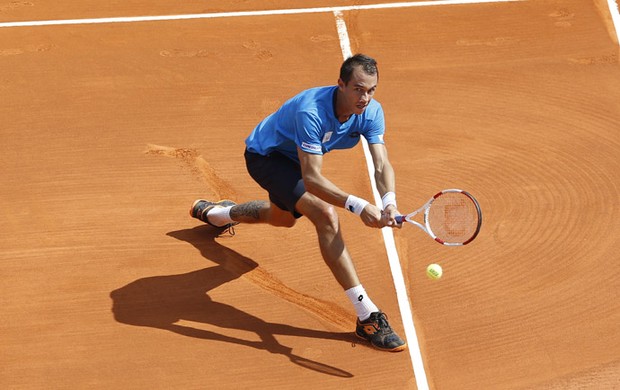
[358, 92]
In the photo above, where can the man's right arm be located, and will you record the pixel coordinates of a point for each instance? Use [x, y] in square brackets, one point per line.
[316, 183]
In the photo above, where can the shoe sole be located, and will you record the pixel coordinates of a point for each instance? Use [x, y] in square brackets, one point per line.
[400, 348]
[191, 209]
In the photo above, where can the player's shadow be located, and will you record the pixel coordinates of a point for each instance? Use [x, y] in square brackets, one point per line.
[162, 301]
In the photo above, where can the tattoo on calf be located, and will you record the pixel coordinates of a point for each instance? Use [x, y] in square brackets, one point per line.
[248, 209]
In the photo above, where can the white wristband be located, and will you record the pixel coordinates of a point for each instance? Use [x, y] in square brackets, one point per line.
[389, 199]
[355, 205]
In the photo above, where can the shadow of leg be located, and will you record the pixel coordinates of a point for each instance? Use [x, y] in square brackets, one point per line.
[203, 238]
[163, 301]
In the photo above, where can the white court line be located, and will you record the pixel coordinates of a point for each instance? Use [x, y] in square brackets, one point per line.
[134, 19]
[390, 246]
[615, 16]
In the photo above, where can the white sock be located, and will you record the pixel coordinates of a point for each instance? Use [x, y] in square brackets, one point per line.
[361, 302]
[220, 216]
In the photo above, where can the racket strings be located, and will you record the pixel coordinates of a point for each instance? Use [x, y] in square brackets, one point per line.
[453, 217]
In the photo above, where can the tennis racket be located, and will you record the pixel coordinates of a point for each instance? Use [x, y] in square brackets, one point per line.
[451, 217]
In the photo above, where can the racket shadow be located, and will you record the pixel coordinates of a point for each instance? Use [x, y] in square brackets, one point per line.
[180, 304]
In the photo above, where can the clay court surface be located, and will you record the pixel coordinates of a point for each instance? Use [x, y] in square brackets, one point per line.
[110, 131]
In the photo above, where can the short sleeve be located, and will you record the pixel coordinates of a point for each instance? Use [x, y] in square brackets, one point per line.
[308, 132]
[375, 127]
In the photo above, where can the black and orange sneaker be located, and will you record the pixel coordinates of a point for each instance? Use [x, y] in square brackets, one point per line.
[200, 208]
[377, 330]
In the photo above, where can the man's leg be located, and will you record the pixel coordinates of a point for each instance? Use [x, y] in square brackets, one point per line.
[225, 213]
[261, 211]
[325, 219]
[372, 324]
[279, 176]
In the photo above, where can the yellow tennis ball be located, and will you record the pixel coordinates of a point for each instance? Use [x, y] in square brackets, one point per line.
[434, 271]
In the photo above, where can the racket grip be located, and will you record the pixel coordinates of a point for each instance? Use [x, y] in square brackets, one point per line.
[400, 218]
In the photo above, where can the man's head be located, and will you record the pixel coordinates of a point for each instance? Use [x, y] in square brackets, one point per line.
[368, 65]
[357, 83]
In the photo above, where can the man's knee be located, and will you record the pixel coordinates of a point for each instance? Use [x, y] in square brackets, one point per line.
[322, 214]
[326, 217]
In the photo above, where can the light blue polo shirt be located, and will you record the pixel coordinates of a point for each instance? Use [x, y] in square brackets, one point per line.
[308, 120]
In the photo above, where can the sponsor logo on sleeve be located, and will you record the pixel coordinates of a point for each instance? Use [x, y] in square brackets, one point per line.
[327, 136]
[311, 147]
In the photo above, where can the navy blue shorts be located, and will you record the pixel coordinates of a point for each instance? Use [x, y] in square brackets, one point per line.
[280, 176]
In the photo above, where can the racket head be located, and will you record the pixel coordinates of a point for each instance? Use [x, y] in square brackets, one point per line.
[453, 217]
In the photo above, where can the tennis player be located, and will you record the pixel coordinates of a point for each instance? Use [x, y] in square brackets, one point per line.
[284, 154]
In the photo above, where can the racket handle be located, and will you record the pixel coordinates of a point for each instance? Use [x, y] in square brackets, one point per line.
[400, 218]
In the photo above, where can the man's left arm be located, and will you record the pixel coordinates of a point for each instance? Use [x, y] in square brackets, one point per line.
[386, 181]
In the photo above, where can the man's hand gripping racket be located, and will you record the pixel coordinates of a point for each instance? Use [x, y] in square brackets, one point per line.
[451, 217]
